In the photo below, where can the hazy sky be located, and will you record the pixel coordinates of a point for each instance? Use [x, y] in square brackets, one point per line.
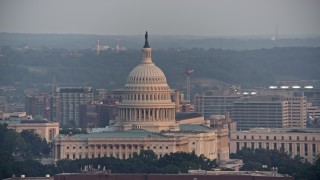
[166, 17]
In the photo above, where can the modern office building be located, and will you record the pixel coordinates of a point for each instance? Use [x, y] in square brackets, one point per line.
[38, 106]
[304, 142]
[216, 102]
[297, 112]
[146, 120]
[70, 100]
[260, 111]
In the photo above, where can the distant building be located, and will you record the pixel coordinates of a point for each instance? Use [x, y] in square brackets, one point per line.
[45, 129]
[260, 111]
[297, 112]
[304, 142]
[55, 108]
[38, 106]
[88, 116]
[216, 102]
[70, 99]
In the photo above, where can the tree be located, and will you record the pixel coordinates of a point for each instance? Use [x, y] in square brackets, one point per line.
[36, 145]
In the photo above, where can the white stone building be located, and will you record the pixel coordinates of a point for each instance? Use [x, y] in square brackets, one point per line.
[146, 121]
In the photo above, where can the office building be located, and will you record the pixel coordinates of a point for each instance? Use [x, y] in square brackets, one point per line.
[70, 100]
[216, 102]
[260, 111]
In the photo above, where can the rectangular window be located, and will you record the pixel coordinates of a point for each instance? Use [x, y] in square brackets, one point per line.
[237, 136]
[275, 146]
[290, 138]
[282, 137]
[267, 146]
[92, 156]
[244, 137]
[238, 146]
[298, 148]
[274, 137]
[252, 137]
[252, 145]
[267, 137]
[260, 145]
[245, 144]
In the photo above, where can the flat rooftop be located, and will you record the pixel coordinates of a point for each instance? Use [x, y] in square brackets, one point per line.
[283, 130]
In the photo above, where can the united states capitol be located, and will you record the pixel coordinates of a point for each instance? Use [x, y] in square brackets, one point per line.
[147, 121]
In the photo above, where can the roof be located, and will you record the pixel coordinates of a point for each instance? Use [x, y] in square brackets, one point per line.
[187, 115]
[24, 121]
[283, 130]
[194, 128]
[131, 134]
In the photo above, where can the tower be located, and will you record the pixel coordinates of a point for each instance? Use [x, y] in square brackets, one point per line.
[188, 74]
[98, 46]
[117, 47]
[146, 99]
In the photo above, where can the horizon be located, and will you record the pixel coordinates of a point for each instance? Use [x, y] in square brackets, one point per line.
[229, 18]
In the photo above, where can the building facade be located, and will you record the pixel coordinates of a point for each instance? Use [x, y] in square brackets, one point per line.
[297, 112]
[70, 99]
[45, 129]
[303, 142]
[260, 111]
[214, 102]
[38, 106]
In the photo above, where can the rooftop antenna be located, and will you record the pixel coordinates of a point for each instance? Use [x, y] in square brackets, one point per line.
[117, 48]
[188, 74]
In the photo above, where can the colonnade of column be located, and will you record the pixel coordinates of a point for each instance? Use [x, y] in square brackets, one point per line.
[146, 114]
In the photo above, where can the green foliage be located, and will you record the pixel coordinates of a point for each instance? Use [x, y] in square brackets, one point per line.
[254, 159]
[24, 145]
[110, 69]
[145, 162]
[73, 131]
[37, 145]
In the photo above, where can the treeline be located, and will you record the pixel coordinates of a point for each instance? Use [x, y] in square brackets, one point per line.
[255, 160]
[145, 162]
[17, 149]
[110, 69]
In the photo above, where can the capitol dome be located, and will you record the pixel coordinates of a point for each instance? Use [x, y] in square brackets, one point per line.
[146, 98]
[146, 74]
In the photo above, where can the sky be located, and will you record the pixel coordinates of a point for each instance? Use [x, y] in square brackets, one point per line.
[161, 17]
